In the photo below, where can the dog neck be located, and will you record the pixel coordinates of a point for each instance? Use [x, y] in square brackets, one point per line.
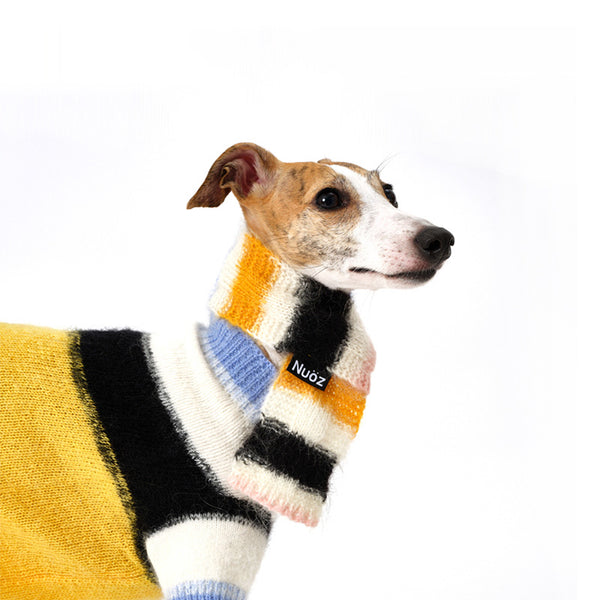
[287, 313]
[309, 409]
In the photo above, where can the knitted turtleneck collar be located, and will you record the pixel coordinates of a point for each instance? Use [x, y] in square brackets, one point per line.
[292, 313]
[313, 406]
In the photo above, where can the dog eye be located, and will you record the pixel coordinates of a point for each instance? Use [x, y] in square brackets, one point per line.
[389, 194]
[328, 199]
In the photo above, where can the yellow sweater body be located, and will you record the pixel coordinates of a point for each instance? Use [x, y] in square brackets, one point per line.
[58, 540]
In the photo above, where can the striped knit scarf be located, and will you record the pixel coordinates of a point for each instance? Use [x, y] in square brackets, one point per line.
[311, 407]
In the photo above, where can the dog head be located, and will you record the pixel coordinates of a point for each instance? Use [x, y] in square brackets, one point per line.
[335, 222]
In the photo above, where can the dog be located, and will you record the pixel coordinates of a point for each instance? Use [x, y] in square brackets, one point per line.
[152, 465]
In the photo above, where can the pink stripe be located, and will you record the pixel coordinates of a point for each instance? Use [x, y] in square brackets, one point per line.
[251, 489]
[364, 381]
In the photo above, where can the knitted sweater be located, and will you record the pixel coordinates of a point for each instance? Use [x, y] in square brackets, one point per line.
[135, 465]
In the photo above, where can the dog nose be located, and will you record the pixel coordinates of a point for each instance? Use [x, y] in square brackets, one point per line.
[434, 243]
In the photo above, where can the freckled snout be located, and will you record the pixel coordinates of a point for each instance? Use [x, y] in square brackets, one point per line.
[434, 244]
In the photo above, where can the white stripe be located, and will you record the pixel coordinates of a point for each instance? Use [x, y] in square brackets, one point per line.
[221, 298]
[307, 418]
[277, 492]
[358, 356]
[279, 308]
[214, 424]
[206, 549]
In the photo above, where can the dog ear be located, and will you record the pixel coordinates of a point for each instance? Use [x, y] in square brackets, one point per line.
[239, 169]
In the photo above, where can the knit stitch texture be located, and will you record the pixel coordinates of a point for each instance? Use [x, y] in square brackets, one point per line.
[135, 464]
[303, 432]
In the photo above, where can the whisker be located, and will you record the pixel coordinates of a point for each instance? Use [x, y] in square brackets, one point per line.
[384, 163]
[318, 272]
[276, 238]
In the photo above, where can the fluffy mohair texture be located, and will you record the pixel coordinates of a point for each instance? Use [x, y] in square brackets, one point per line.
[303, 431]
[140, 465]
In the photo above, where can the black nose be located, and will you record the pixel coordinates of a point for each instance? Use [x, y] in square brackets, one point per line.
[434, 244]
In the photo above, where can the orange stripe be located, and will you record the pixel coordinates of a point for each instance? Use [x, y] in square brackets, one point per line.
[249, 292]
[343, 401]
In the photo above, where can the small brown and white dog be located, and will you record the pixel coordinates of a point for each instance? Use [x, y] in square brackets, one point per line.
[138, 465]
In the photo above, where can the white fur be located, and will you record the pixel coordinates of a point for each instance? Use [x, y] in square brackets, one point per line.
[385, 240]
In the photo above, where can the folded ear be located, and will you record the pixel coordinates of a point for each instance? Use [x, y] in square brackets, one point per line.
[239, 169]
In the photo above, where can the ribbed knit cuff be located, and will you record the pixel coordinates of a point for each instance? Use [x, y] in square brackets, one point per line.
[205, 590]
[239, 364]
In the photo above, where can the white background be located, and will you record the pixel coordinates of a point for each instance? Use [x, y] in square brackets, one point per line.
[461, 483]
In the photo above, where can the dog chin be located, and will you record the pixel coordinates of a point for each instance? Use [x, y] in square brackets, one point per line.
[367, 279]
[405, 280]
[410, 282]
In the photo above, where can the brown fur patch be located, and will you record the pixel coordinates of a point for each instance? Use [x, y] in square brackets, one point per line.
[278, 202]
[289, 223]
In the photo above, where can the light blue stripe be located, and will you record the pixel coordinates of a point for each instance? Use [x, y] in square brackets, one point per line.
[239, 363]
[206, 590]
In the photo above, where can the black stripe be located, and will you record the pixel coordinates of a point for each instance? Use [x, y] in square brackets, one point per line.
[166, 484]
[273, 446]
[320, 325]
[106, 452]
